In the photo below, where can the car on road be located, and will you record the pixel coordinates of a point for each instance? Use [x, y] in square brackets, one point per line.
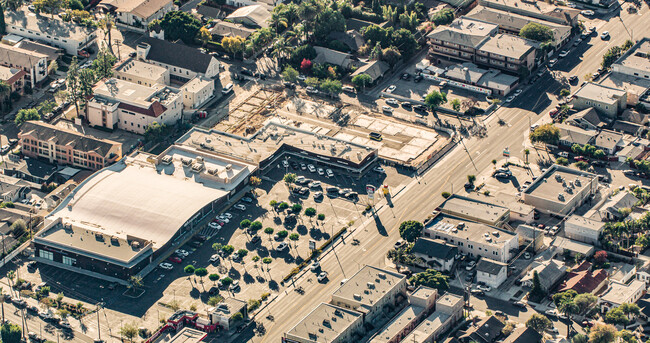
[564, 53]
[247, 199]
[282, 247]
[311, 168]
[166, 266]
[418, 78]
[500, 313]
[485, 288]
[375, 136]
[314, 266]
[509, 99]
[519, 303]
[554, 230]
[552, 62]
[581, 158]
[392, 101]
[502, 176]
[387, 109]
[34, 337]
[573, 79]
[577, 41]
[588, 13]
[65, 325]
[604, 35]
[477, 292]
[406, 76]
[322, 276]
[239, 207]
[517, 92]
[175, 259]
[379, 169]
[391, 88]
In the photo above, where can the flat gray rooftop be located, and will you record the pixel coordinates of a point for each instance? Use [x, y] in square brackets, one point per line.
[558, 180]
[473, 208]
[397, 324]
[324, 324]
[358, 288]
[468, 230]
[428, 327]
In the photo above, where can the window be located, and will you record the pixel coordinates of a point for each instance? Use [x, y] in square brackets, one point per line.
[48, 255]
[69, 260]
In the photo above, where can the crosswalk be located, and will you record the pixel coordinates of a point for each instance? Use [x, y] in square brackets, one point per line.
[209, 232]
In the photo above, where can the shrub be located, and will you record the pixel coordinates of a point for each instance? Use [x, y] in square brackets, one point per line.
[446, 195]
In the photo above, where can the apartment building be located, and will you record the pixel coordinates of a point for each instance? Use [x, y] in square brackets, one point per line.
[136, 15]
[42, 140]
[183, 62]
[479, 42]
[34, 64]
[119, 104]
[536, 9]
[474, 239]
[13, 77]
[197, 92]
[142, 73]
[606, 100]
[51, 30]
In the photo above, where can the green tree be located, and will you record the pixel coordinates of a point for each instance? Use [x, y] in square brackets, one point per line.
[410, 230]
[328, 20]
[616, 316]
[269, 231]
[256, 225]
[580, 338]
[321, 216]
[362, 80]
[217, 247]
[627, 336]
[203, 36]
[289, 74]
[26, 115]
[273, 203]
[435, 99]
[214, 277]
[242, 253]
[565, 92]
[602, 333]
[156, 132]
[312, 82]
[201, 272]
[537, 291]
[237, 317]
[599, 154]
[283, 233]
[189, 269]
[289, 178]
[471, 178]
[72, 80]
[179, 25]
[129, 331]
[310, 212]
[294, 237]
[391, 55]
[296, 208]
[585, 302]
[103, 64]
[547, 133]
[631, 310]
[283, 206]
[430, 278]
[227, 249]
[213, 301]
[455, 105]
[405, 41]
[135, 282]
[233, 45]
[582, 165]
[245, 224]
[331, 87]
[536, 32]
[51, 7]
[12, 5]
[539, 323]
[227, 281]
[563, 297]
[443, 17]
[562, 161]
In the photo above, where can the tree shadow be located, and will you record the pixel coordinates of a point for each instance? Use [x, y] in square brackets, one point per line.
[316, 234]
[248, 278]
[302, 230]
[195, 293]
[234, 273]
[273, 285]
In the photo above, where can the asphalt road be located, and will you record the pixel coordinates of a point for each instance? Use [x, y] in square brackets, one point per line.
[378, 235]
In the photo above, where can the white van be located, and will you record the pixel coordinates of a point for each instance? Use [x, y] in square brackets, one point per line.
[227, 89]
[563, 154]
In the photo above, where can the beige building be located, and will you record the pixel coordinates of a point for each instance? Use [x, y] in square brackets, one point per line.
[606, 100]
[183, 62]
[327, 324]
[536, 9]
[475, 210]
[560, 190]
[449, 310]
[136, 15]
[369, 290]
[119, 104]
[142, 73]
[31, 62]
[197, 92]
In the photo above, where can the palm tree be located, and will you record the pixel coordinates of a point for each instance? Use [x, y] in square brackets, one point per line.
[526, 153]
[280, 50]
[277, 20]
[106, 24]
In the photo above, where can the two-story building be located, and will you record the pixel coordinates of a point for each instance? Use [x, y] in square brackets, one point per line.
[49, 142]
[137, 14]
[183, 62]
[34, 64]
[119, 104]
[142, 73]
[606, 100]
[436, 253]
[536, 9]
[50, 29]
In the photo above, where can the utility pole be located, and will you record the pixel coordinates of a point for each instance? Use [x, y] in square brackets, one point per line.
[99, 328]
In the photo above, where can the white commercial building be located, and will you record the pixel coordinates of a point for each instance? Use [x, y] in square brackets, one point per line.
[620, 293]
[137, 14]
[197, 92]
[119, 104]
[560, 190]
[51, 30]
[583, 229]
[473, 238]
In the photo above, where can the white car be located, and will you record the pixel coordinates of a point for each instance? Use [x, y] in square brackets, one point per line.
[391, 88]
[166, 266]
[509, 99]
[317, 195]
[392, 101]
[604, 35]
[349, 89]
[65, 325]
[527, 255]
[518, 91]
[314, 266]
[227, 215]
[311, 168]
[224, 219]
[214, 226]
[485, 288]
[182, 252]
[312, 90]
[282, 246]
[379, 169]
[302, 77]
[240, 207]
[387, 109]
[321, 171]
[587, 13]
[314, 184]
[552, 62]
[45, 314]
[322, 276]
[470, 265]
[564, 53]
[214, 258]
[329, 173]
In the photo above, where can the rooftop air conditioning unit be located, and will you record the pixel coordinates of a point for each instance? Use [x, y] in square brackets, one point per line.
[229, 167]
[460, 226]
[381, 275]
[370, 285]
[99, 236]
[357, 296]
[135, 245]
[167, 160]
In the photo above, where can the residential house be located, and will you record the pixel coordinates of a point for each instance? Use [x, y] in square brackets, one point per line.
[227, 29]
[619, 293]
[437, 253]
[52, 53]
[474, 239]
[13, 189]
[587, 119]
[584, 280]
[31, 169]
[255, 16]
[536, 9]
[608, 101]
[609, 141]
[512, 23]
[242, 3]
[622, 272]
[643, 273]
[375, 69]
[611, 209]
[136, 15]
[353, 39]
[369, 290]
[485, 331]
[119, 104]
[51, 30]
[13, 77]
[626, 127]
[66, 147]
[183, 62]
[524, 335]
[142, 73]
[583, 229]
[570, 135]
[550, 272]
[568, 246]
[333, 57]
[34, 64]
[492, 273]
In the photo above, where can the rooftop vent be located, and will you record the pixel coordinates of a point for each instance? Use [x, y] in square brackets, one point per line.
[460, 226]
[381, 275]
[114, 240]
[135, 245]
[99, 237]
[357, 296]
[167, 160]
[186, 161]
[228, 167]
[370, 285]
[560, 196]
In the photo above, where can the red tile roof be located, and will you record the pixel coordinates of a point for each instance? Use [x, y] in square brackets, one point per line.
[582, 280]
[154, 110]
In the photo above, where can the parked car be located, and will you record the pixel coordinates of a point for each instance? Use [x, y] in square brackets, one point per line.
[527, 255]
[234, 286]
[392, 101]
[322, 276]
[214, 258]
[519, 304]
[282, 247]
[314, 266]
[387, 109]
[166, 266]
[311, 168]
[376, 136]
[604, 35]
[391, 88]
[470, 265]
[239, 207]
[564, 53]
[175, 259]
[418, 78]
[329, 172]
[379, 169]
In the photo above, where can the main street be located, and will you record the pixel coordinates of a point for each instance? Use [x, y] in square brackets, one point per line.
[377, 235]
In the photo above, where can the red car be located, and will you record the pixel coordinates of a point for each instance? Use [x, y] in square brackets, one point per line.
[175, 259]
[553, 113]
[581, 158]
[83, 53]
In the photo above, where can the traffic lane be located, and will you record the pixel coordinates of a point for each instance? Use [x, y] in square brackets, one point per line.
[42, 328]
